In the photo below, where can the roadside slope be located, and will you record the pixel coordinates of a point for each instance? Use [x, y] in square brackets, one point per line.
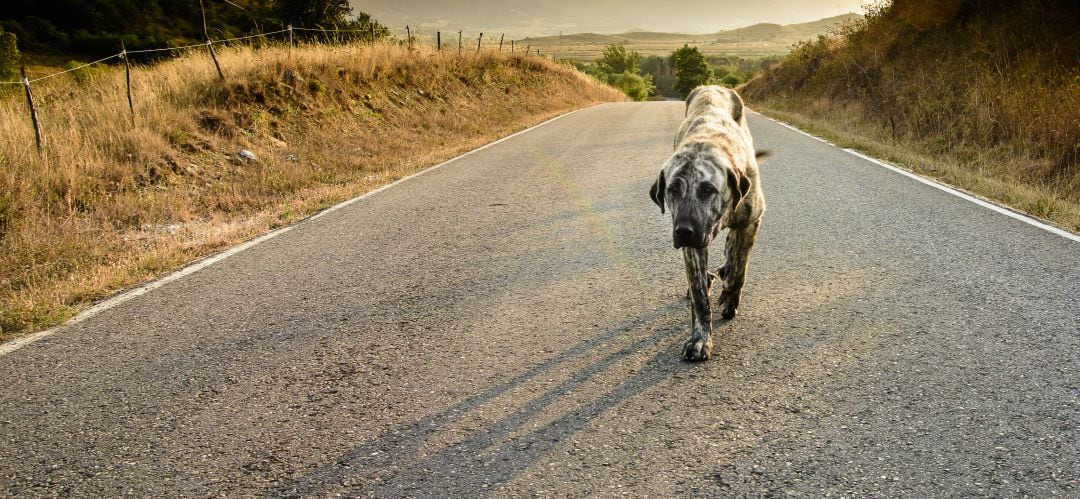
[111, 204]
[982, 95]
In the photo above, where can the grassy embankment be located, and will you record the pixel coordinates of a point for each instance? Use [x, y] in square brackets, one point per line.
[982, 95]
[111, 204]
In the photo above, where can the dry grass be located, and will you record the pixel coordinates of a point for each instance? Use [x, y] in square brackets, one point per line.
[988, 174]
[111, 204]
[983, 95]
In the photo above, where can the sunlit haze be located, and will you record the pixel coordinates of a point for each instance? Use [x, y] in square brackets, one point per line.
[527, 17]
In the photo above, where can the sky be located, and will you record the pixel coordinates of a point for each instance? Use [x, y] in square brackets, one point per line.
[531, 17]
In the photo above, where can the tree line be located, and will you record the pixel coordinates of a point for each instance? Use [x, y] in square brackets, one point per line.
[674, 75]
[90, 28]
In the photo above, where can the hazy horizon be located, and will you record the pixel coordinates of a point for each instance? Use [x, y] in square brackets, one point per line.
[524, 18]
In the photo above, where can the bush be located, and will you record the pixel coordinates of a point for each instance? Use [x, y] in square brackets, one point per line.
[730, 80]
[9, 55]
[622, 70]
[636, 87]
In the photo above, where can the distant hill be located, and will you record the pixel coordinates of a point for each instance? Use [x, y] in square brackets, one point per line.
[756, 40]
[800, 31]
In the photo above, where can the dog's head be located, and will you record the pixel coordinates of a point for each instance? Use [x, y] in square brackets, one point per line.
[702, 189]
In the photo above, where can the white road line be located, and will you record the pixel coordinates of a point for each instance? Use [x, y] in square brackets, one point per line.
[17, 343]
[785, 125]
[985, 204]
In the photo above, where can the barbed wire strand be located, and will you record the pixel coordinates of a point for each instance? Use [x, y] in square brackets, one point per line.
[416, 32]
[334, 30]
[167, 49]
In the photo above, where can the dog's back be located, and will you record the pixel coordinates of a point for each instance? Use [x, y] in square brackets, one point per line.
[713, 111]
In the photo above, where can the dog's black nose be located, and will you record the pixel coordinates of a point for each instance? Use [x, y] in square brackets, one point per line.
[684, 236]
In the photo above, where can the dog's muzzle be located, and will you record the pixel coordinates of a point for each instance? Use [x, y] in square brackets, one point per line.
[686, 236]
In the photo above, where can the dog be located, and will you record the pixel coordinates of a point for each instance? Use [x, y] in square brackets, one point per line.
[711, 183]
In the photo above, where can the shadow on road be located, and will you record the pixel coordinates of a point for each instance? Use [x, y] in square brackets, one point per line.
[389, 465]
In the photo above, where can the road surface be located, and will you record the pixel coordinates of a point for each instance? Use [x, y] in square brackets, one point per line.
[509, 324]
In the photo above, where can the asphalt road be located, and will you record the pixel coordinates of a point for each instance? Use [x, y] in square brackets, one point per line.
[509, 324]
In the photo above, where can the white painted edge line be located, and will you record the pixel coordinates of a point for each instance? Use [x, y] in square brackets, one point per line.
[17, 343]
[962, 195]
[785, 125]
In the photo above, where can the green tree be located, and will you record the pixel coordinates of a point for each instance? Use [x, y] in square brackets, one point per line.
[616, 60]
[89, 29]
[327, 14]
[9, 55]
[691, 69]
[313, 13]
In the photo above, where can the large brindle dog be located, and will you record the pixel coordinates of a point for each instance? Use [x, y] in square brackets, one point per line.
[711, 183]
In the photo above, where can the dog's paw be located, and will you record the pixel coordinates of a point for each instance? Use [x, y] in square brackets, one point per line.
[729, 305]
[728, 310]
[697, 349]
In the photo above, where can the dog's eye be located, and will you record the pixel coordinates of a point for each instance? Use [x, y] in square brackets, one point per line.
[707, 189]
[675, 187]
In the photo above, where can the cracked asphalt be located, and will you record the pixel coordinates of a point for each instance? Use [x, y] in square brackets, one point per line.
[509, 325]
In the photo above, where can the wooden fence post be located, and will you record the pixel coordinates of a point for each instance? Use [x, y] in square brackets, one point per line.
[478, 40]
[459, 41]
[438, 41]
[33, 113]
[127, 76]
[371, 24]
[290, 38]
[527, 47]
[213, 55]
[210, 44]
[501, 40]
[511, 46]
[408, 35]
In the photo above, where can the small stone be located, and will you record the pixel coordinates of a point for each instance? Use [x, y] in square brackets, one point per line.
[248, 155]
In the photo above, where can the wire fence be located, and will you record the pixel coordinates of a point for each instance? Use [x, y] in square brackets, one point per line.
[412, 38]
[411, 35]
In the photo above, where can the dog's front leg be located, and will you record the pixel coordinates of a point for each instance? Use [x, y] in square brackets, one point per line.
[739, 243]
[699, 345]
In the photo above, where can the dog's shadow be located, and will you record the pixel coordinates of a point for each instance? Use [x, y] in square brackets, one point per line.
[390, 465]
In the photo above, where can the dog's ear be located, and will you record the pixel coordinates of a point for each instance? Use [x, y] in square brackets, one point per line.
[739, 185]
[657, 191]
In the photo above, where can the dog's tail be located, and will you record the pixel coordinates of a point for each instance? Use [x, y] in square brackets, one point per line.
[759, 155]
